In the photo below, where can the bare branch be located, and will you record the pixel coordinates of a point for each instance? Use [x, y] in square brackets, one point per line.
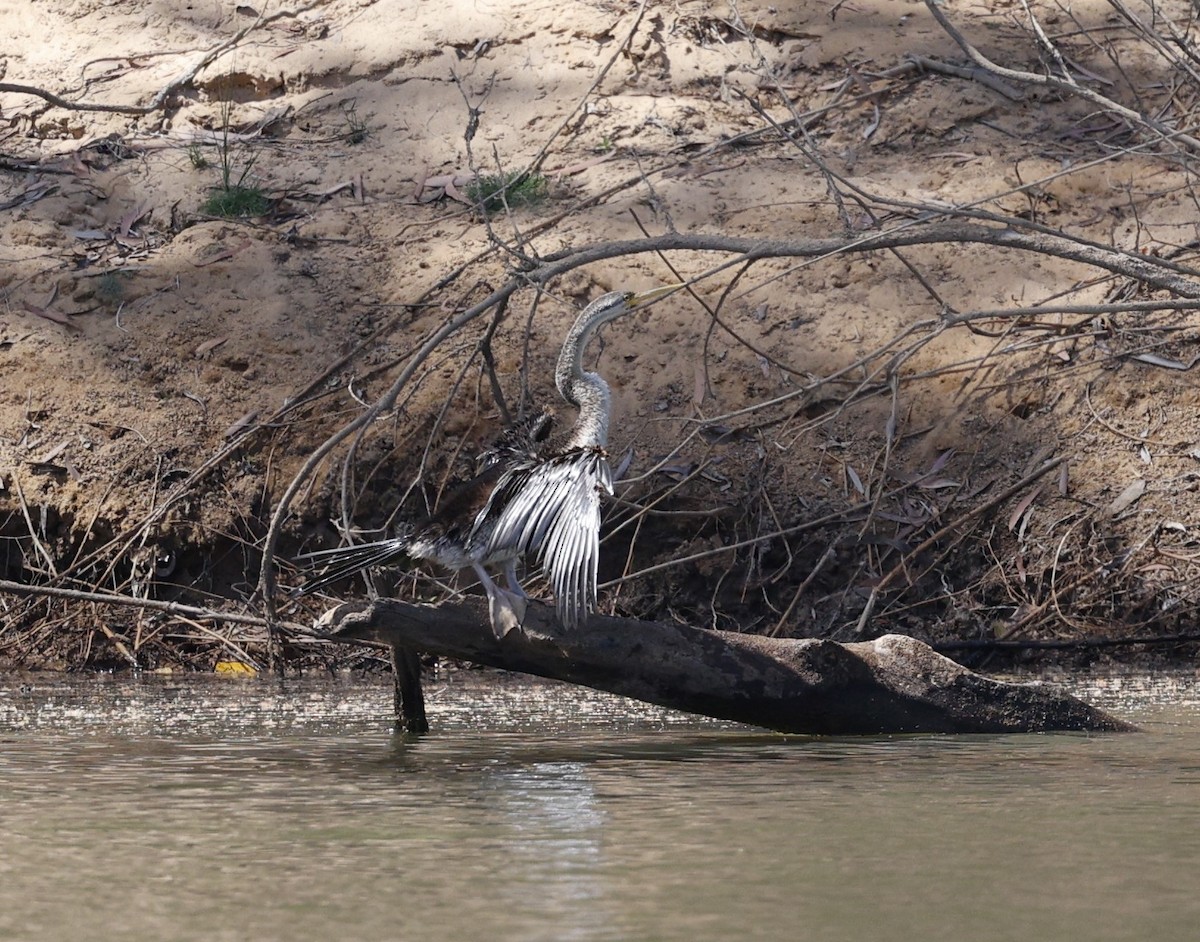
[110, 598]
[1061, 85]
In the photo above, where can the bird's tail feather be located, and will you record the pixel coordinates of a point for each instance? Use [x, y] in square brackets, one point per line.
[343, 561]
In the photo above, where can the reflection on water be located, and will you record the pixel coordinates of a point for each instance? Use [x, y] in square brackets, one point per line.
[245, 810]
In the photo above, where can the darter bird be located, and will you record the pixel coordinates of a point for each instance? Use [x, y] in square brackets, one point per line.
[447, 536]
[529, 497]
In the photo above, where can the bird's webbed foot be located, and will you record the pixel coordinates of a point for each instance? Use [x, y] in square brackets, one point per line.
[507, 610]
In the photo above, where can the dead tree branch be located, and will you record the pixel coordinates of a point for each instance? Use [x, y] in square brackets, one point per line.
[1057, 84]
[893, 684]
[1155, 272]
[111, 598]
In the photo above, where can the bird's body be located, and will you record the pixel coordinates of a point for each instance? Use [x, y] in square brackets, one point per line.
[458, 534]
[529, 497]
[522, 441]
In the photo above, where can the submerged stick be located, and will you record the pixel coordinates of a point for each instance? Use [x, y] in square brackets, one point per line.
[409, 698]
[894, 684]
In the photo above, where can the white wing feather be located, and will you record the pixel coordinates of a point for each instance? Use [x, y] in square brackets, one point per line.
[553, 509]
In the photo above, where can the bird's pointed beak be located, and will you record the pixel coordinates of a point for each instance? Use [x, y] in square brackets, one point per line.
[645, 297]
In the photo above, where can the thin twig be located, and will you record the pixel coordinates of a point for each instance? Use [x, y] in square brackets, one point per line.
[829, 553]
[33, 535]
[1047, 81]
[1006, 494]
[109, 598]
[981, 76]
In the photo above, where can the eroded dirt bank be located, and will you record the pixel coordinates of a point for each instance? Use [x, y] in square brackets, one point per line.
[827, 445]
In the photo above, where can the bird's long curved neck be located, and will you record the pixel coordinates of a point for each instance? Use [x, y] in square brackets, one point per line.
[588, 391]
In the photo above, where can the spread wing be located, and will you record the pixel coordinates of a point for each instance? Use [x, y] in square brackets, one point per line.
[552, 507]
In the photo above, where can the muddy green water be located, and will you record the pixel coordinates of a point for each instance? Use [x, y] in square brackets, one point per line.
[228, 810]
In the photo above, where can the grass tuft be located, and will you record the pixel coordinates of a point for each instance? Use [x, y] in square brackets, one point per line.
[356, 126]
[236, 200]
[516, 189]
[196, 156]
[235, 196]
[110, 288]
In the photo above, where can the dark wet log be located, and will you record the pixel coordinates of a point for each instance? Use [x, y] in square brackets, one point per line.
[409, 697]
[894, 684]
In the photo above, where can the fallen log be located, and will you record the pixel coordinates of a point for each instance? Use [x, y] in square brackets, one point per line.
[894, 684]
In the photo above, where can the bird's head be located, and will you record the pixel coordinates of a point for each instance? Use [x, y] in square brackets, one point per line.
[635, 300]
[605, 308]
[610, 306]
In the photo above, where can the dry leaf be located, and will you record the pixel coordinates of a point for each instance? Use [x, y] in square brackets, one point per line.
[623, 464]
[235, 669]
[873, 124]
[130, 218]
[680, 470]
[30, 195]
[52, 454]
[1128, 497]
[701, 386]
[241, 424]
[572, 169]
[209, 346]
[1025, 503]
[456, 194]
[1155, 360]
[222, 256]
[942, 460]
[51, 315]
[856, 480]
